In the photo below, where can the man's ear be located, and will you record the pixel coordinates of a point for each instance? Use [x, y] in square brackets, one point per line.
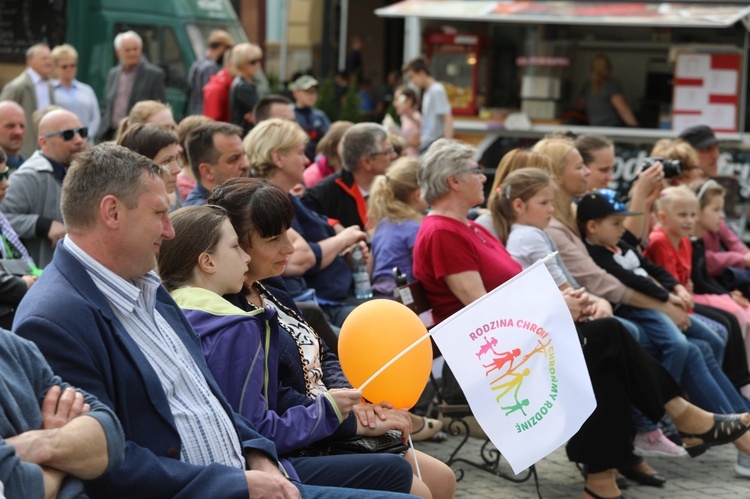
[206, 263]
[109, 211]
[207, 171]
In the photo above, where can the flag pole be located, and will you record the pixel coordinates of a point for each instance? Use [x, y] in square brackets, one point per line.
[393, 360]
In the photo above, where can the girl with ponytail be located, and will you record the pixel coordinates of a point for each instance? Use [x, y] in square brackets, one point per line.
[395, 211]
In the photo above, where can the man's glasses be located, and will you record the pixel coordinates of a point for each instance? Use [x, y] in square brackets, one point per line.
[389, 152]
[70, 134]
[5, 174]
[476, 170]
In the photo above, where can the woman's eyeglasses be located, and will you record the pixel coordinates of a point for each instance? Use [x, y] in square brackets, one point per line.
[253, 62]
[70, 134]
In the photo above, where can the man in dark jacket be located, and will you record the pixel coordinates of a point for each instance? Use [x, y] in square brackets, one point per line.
[129, 82]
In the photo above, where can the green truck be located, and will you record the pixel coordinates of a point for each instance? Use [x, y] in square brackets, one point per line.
[174, 35]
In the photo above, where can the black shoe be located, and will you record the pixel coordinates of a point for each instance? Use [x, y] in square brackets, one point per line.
[655, 480]
[727, 428]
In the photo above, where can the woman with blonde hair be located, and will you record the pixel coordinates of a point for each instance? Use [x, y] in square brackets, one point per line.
[275, 150]
[602, 97]
[513, 160]
[243, 95]
[71, 94]
[149, 112]
[395, 211]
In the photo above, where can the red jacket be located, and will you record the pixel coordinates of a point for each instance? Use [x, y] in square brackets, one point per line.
[216, 96]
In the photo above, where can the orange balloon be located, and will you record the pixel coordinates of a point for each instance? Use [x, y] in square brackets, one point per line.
[371, 336]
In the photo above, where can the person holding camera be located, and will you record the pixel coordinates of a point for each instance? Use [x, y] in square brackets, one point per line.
[598, 155]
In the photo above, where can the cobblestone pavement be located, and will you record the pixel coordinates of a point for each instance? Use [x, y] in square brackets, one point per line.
[710, 475]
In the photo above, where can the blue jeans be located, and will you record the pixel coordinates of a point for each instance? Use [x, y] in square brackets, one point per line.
[633, 328]
[660, 337]
[691, 363]
[698, 330]
[707, 385]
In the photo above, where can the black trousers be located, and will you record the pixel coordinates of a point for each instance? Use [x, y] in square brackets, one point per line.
[622, 375]
[735, 359]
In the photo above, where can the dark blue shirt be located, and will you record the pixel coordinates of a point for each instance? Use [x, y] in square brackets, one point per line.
[197, 196]
[333, 282]
[58, 169]
[14, 163]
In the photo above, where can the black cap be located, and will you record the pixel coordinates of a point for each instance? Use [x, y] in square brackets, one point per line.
[699, 136]
[601, 203]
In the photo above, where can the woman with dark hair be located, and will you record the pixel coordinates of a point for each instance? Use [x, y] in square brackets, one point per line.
[161, 146]
[204, 261]
[261, 217]
[458, 261]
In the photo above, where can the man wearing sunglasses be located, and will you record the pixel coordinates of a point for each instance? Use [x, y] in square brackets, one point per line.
[33, 201]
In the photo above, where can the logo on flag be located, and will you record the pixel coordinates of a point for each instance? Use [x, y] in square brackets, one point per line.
[508, 370]
[516, 355]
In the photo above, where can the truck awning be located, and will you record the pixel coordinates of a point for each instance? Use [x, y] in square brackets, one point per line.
[678, 15]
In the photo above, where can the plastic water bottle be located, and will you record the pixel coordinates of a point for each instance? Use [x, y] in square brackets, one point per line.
[362, 286]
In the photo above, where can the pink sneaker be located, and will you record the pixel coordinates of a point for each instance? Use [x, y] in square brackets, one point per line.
[654, 443]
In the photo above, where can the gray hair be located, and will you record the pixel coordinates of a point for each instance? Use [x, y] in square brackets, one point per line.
[127, 34]
[103, 170]
[359, 141]
[444, 158]
[31, 51]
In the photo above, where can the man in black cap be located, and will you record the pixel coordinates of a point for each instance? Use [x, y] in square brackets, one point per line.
[706, 144]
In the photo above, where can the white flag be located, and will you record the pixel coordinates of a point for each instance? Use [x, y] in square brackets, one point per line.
[516, 354]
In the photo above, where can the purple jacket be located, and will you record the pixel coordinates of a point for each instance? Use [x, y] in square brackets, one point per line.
[241, 349]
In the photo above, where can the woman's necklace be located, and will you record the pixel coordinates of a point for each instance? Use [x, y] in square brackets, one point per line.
[253, 297]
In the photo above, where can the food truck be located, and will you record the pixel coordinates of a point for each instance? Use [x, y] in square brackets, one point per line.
[678, 64]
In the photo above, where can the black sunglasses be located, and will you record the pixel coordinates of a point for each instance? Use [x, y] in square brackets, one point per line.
[5, 174]
[70, 134]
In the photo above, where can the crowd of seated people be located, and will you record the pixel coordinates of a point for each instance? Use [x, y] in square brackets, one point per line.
[259, 269]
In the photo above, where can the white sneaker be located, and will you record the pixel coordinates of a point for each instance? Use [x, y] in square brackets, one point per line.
[742, 466]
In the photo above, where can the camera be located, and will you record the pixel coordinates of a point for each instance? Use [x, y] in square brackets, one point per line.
[672, 167]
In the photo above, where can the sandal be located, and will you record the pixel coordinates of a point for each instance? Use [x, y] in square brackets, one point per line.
[726, 428]
[597, 496]
[430, 428]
